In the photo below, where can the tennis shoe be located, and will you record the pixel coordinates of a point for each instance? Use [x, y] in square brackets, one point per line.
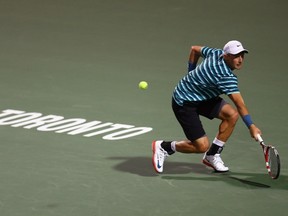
[215, 162]
[159, 156]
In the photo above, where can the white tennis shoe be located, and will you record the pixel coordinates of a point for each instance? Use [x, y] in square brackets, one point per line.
[159, 156]
[215, 162]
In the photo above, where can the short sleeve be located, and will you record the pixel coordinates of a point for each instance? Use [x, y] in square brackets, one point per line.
[228, 85]
[207, 51]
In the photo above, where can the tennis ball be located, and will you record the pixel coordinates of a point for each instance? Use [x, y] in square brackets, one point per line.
[143, 85]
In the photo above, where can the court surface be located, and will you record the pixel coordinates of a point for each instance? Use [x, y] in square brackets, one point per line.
[81, 61]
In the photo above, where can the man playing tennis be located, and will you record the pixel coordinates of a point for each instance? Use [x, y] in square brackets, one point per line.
[198, 93]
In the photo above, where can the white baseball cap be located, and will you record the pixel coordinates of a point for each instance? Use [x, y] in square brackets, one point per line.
[234, 47]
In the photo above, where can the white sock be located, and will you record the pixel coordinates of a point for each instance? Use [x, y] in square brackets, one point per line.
[173, 146]
[218, 142]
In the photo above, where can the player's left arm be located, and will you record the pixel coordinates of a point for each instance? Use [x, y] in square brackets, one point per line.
[195, 54]
[244, 113]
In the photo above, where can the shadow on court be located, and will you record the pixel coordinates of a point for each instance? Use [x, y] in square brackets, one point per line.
[142, 166]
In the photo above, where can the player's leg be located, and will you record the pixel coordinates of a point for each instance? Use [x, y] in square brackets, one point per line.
[189, 119]
[228, 116]
[199, 145]
[162, 149]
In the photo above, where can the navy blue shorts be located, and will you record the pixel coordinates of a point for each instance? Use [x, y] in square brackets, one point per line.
[188, 115]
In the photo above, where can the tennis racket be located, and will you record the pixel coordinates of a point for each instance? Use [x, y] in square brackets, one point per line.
[271, 157]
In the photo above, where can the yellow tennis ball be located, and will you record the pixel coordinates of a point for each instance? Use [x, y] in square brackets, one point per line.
[143, 85]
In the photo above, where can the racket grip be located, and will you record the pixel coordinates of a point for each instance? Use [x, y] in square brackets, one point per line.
[259, 138]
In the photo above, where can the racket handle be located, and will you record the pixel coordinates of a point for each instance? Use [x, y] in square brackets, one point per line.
[259, 138]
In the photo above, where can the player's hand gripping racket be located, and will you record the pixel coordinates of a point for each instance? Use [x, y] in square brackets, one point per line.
[272, 158]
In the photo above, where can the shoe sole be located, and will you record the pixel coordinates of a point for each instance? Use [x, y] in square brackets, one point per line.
[210, 165]
[153, 156]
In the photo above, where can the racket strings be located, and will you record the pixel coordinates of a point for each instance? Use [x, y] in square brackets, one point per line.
[273, 162]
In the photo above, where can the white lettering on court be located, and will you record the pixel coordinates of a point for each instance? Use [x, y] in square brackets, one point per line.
[73, 126]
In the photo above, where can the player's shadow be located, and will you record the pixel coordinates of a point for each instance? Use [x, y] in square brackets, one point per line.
[142, 166]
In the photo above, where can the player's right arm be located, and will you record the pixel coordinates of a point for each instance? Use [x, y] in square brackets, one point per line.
[195, 54]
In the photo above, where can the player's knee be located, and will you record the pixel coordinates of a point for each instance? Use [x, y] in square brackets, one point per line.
[229, 114]
[203, 147]
[234, 116]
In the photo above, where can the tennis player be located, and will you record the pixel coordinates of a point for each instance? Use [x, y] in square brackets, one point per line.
[198, 94]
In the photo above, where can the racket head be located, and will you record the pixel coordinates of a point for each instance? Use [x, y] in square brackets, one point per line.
[272, 160]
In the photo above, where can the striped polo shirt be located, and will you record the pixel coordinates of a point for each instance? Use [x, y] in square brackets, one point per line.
[209, 79]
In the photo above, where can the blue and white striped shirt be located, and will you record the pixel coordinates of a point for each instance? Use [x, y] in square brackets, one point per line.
[209, 79]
